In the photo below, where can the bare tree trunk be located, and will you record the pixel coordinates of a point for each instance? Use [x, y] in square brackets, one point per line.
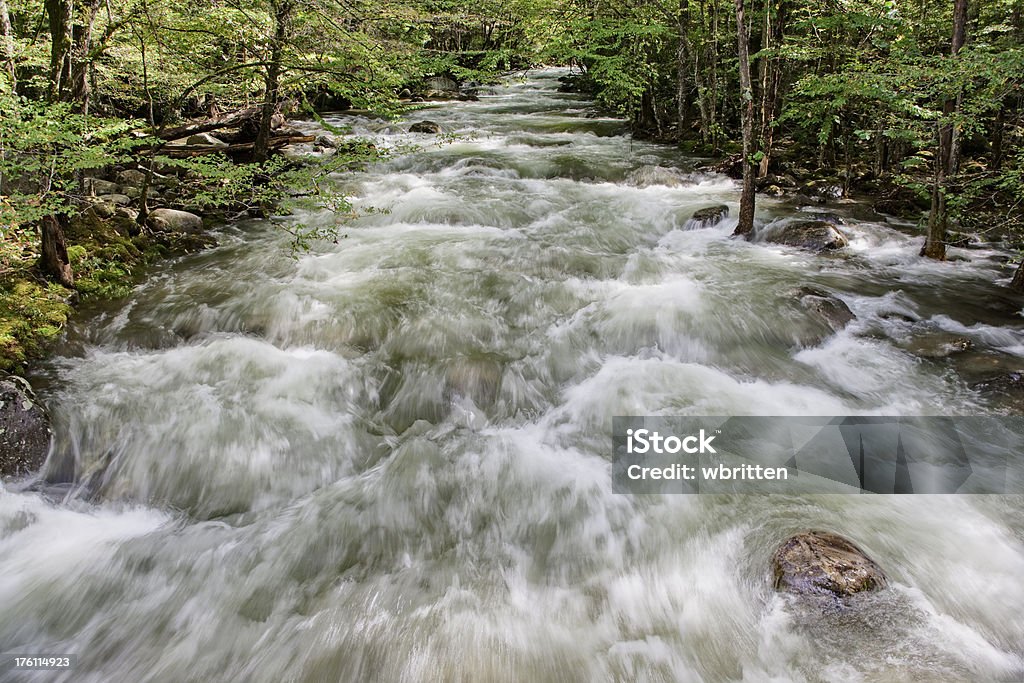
[746, 218]
[60, 13]
[282, 19]
[54, 259]
[7, 44]
[946, 161]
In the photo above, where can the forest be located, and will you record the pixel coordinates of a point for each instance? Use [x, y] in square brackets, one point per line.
[915, 105]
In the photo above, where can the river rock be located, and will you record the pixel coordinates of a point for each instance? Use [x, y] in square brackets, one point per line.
[98, 186]
[440, 86]
[707, 217]
[131, 176]
[812, 235]
[116, 199]
[205, 139]
[172, 220]
[425, 127]
[823, 305]
[1006, 386]
[821, 563]
[939, 345]
[25, 433]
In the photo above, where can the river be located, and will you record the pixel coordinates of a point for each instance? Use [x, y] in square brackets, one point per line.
[388, 459]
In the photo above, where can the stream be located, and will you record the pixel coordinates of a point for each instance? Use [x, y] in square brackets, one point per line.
[388, 459]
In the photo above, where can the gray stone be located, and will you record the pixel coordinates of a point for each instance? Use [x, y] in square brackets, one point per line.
[425, 127]
[939, 345]
[707, 217]
[205, 139]
[172, 220]
[25, 433]
[116, 199]
[812, 235]
[821, 563]
[98, 186]
[131, 176]
[832, 310]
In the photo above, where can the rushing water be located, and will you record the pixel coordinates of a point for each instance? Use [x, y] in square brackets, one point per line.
[389, 459]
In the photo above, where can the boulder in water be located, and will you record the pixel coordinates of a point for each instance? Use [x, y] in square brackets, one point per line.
[172, 220]
[425, 127]
[812, 235]
[707, 217]
[823, 305]
[821, 563]
[24, 428]
[1007, 388]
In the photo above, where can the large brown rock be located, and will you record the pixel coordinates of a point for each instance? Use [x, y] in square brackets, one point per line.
[820, 563]
[24, 428]
[707, 217]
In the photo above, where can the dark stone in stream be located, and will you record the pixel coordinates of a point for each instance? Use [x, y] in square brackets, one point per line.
[813, 235]
[707, 217]
[1008, 387]
[828, 308]
[425, 127]
[939, 345]
[821, 563]
[24, 428]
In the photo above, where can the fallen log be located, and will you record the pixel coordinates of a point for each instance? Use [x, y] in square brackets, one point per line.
[231, 120]
[182, 151]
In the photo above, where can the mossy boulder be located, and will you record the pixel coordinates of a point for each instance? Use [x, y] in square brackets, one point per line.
[25, 433]
[821, 563]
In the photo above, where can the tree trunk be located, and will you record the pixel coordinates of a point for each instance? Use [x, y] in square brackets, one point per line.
[7, 44]
[746, 219]
[946, 161]
[60, 13]
[282, 18]
[79, 89]
[682, 67]
[54, 257]
[1017, 284]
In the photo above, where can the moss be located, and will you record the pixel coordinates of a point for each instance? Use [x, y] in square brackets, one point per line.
[31, 315]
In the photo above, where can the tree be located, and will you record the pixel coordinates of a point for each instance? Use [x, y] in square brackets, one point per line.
[746, 216]
[947, 159]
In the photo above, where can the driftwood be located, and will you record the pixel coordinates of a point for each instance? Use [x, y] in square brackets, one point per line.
[180, 151]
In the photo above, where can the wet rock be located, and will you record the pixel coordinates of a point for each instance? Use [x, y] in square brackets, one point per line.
[812, 235]
[325, 142]
[172, 220]
[425, 127]
[821, 563]
[205, 139]
[832, 310]
[24, 428]
[1006, 386]
[98, 186]
[707, 217]
[405, 94]
[939, 345]
[132, 177]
